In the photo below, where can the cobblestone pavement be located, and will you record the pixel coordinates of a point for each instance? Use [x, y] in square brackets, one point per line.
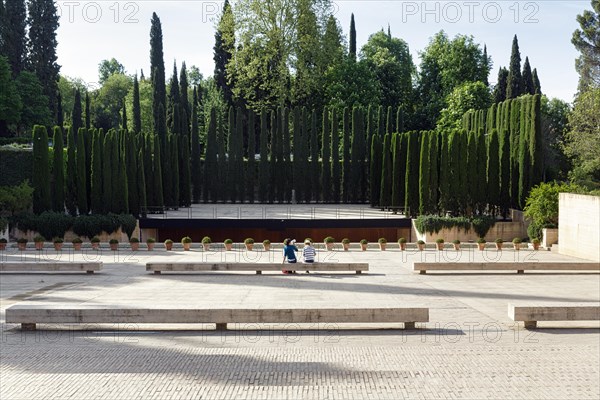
[469, 349]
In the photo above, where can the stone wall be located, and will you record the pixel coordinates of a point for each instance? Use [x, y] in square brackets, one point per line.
[579, 226]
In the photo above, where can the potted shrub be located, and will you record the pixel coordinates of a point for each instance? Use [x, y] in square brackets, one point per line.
[187, 243]
[440, 244]
[150, 242]
[114, 244]
[517, 243]
[329, 241]
[481, 244]
[3, 243]
[77, 243]
[168, 244]
[39, 240]
[206, 243]
[58, 243]
[499, 243]
[134, 243]
[95, 242]
[228, 244]
[382, 243]
[267, 244]
[402, 244]
[22, 243]
[536, 244]
[346, 244]
[363, 244]
[420, 245]
[456, 244]
[249, 243]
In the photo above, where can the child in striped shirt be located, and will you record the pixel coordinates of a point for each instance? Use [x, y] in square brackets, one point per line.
[308, 252]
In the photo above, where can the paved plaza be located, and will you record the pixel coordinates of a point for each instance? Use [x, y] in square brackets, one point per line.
[469, 349]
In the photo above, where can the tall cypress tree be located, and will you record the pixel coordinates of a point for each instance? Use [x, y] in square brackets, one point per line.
[231, 186]
[389, 123]
[524, 158]
[175, 163]
[185, 180]
[314, 156]
[483, 198]
[362, 156]
[346, 173]
[82, 197]
[445, 174]
[385, 191]
[96, 174]
[185, 108]
[298, 154]
[76, 115]
[463, 195]
[157, 180]
[326, 157]
[124, 125]
[13, 41]
[131, 161]
[273, 187]
[210, 159]
[398, 172]
[174, 104]
[309, 180]
[472, 178]
[263, 166]
[336, 173]
[286, 168]
[528, 85]
[42, 198]
[223, 51]
[400, 119]
[151, 196]
[501, 85]
[71, 182]
[60, 118]
[536, 147]
[352, 47]
[141, 184]
[424, 174]
[355, 161]
[537, 87]
[514, 82]
[88, 115]
[196, 167]
[375, 169]
[107, 176]
[58, 172]
[434, 142]
[412, 199]
[137, 111]
[493, 169]
[251, 167]
[505, 167]
[157, 72]
[221, 182]
[43, 23]
[514, 128]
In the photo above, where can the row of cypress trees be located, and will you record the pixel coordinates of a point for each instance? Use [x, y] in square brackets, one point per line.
[489, 165]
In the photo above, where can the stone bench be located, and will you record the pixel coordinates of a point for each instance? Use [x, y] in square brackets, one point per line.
[530, 315]
[29, 316]
[520, 267]
[158, 267]
[43, 266]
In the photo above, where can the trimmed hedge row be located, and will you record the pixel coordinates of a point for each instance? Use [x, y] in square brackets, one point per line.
[433, 224]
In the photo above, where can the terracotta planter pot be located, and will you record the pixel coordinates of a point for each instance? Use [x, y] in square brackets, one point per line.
[456, 247]
[206, 246]
[187, 246]
[329, 246]
[114, 246]
[421, 247]
[517, 246]
[402, 246]
[536, 246]
[95, 245]
[499, 246]
[228, 246]
[168, 246]
[363, 247]
[249, 246]
[440, 246]
[151, 246]
[481, 246]
[77, 246]
[382, 246]
[22, 246]
[346, 246]
[39, 245]
[134, 246]
[58, 246]
[267, 247]
[2, 246]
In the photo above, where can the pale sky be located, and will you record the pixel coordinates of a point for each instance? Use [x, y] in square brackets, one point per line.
[91, 31]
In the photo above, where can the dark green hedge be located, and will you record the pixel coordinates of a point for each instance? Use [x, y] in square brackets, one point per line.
[16, 165]
[433, 224]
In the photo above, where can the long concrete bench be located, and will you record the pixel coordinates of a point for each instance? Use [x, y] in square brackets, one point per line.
[530, 315]
[520, 267]
[158, 267]
[43, 266]
[29, 316]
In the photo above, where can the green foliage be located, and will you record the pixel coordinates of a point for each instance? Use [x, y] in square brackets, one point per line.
[48, 224]
[468, 96]
[35, 103]
[15, 199]
[42, 198]
[82, 196]
[514, 83]
[16, 165]
[585, 40]
[58, 171]
[542, 203]
[434, 224]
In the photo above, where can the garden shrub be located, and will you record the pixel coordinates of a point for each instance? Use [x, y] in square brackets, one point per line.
[433, 224]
